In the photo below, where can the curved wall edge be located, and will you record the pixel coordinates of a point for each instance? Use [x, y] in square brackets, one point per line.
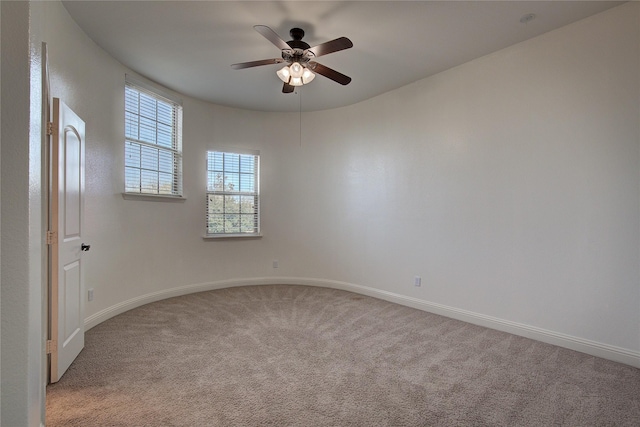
[592, 348]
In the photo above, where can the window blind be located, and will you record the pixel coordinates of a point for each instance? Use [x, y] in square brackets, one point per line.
[153, 143]
[232, 193]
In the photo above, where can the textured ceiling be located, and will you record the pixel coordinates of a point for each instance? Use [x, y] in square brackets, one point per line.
[189, 46]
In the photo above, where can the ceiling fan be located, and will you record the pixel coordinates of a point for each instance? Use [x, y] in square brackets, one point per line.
[299, 58]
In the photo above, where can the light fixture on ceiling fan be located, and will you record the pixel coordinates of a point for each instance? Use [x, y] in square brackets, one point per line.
[295, 74]
[300, 67]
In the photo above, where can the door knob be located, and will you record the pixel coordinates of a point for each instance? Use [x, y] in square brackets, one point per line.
[85, 248]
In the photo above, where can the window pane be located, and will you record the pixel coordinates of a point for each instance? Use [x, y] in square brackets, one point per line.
[131, 100]
[232, 182]
[232, 223]
[215, 224]
[214, 181]
[232, 204]
[149, 181]
[132, 179]
[231, 162]
[215, 161]
[165, 183]
[247, 224]
[149, 158]
[164, 135]
[247, 204]
[215, 204]
[147, 106]
[247, 163]
[210, 161]
[132, 154]
[165, 161]
[131, 126]
[247, 183]
[165, 113]
[147, 130]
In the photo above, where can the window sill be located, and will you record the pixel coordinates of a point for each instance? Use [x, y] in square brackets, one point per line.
[231, 236]
[153, 197]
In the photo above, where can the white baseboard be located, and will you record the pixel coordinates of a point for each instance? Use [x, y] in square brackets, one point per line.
[593, 348]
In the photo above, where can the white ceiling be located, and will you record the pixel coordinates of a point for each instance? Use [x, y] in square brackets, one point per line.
[189, 46]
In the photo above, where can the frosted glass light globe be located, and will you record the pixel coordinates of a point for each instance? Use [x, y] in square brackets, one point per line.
[296, 69]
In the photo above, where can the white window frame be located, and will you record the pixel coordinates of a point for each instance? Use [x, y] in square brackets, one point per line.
[224, 192]
[151, 145]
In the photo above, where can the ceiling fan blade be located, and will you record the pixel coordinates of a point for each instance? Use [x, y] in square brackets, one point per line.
[242, 65]
[287, 88]
[272, 36]
[329, 73]
[336, 45]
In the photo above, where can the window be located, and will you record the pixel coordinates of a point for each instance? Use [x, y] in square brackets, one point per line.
[153, 143]
[233, 194]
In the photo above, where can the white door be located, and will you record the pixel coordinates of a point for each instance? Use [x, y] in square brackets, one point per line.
[65, 237]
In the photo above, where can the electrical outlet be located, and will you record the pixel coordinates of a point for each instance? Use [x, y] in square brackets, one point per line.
[90, 295]
[417, 281]
[275, 264]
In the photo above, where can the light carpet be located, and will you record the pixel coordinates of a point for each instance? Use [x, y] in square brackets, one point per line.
[304, 356]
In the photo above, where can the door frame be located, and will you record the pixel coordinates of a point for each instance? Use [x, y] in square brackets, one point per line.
[46, 209]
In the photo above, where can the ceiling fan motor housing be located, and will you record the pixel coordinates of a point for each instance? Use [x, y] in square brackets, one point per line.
[298, 48]
[297, 34]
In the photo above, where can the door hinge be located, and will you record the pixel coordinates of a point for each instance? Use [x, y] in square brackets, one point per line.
[52, 346]
[49, 128]
[52, 237]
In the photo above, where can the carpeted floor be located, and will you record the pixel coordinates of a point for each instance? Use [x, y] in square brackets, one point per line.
[304, 356]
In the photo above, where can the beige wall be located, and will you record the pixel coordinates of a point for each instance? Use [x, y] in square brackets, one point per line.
[510, 184]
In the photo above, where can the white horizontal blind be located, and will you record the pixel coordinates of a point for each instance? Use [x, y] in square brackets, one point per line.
[153, 143]
[232, 193]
